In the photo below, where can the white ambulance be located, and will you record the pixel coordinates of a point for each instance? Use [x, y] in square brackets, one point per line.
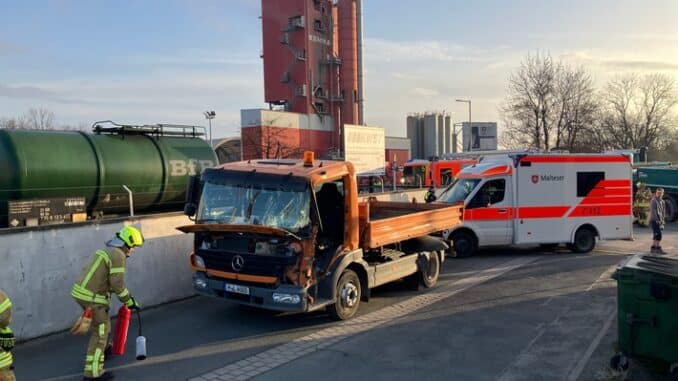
[542, 198]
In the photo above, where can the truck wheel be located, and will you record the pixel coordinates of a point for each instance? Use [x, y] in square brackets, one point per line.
[430, 272]
[464, 244]
[348, 295]
[671, 208]
[584, 241]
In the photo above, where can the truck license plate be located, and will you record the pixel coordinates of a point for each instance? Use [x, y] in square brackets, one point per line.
[236, 289]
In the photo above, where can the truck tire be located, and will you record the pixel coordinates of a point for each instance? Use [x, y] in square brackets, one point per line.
[584, 240]
[671, 208]
[464, 244]
[428, 275]
[348, 294]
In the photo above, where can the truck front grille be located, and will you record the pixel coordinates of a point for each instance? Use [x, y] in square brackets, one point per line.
[253, 264]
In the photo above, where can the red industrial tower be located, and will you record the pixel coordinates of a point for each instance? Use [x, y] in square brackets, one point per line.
[312, 78]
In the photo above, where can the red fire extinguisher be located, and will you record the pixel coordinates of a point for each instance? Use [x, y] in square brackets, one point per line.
[120, 333]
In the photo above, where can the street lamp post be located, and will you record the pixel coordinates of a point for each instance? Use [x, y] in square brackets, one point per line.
[469, 109]
[209, 115]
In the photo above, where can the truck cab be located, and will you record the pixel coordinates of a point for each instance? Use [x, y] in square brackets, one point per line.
[545, 199]
[292, 235]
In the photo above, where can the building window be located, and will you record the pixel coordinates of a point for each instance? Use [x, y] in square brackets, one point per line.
[318, 26]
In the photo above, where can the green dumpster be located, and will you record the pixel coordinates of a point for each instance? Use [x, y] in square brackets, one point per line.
[647, 297]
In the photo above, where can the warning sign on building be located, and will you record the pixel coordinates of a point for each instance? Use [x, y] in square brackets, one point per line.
[364, 147]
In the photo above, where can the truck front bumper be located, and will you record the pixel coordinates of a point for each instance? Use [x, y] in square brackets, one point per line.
[284, 297]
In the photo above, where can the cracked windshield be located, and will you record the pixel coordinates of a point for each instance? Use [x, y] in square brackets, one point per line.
[255, 204]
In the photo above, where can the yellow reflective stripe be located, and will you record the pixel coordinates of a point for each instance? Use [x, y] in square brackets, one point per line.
[89, 358]
[6, 330]
[124, 293]
[92, 270]
[104, 255]
[102, 329]
[101, 256]
[95, 363]
[5, 359]
[117, 270]
[5, 305]
[86, 295]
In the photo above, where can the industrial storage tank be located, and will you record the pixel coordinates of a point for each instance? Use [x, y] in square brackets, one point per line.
[154, 162]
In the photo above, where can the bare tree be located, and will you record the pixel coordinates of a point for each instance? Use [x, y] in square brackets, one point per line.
[638, 111]
[268, 143]
[530, 99]
[8, 123]
[33, 119]
[549, 104]
[39, 119]
[575, 108]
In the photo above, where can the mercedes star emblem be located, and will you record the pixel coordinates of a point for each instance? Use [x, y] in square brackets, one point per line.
[237, 263]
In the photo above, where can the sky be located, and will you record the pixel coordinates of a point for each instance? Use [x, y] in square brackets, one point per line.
[167, 61]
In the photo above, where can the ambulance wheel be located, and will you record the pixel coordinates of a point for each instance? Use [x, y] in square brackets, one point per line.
[348, 294]
[429, 274]
[464, 244]
[584, 240]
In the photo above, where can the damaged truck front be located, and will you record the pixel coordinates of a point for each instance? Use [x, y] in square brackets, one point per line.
[291, 235]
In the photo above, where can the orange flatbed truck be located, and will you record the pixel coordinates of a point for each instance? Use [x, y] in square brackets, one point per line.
[292, 235]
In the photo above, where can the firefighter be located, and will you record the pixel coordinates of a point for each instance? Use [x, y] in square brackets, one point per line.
[6, 339]
[104, 275]
[642, 204]
[430, 194]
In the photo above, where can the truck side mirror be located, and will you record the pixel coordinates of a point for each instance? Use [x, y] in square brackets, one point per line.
[192, 194]
[190, 209]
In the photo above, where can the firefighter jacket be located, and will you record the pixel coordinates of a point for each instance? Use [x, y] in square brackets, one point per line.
[6, 334]
[103, 276]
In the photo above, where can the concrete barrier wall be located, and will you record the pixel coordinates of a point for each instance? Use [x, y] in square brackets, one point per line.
[38, 268]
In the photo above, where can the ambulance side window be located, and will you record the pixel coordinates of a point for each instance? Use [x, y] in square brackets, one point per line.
[586, 181]
[492, 192]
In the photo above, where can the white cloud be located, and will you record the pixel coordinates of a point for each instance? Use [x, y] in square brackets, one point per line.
[195, 58]
[425, 92]
[610, 61]
[382, 50]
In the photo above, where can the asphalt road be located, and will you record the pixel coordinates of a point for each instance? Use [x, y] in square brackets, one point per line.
[520, 314]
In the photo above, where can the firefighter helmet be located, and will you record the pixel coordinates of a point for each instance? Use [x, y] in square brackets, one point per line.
[131, 236]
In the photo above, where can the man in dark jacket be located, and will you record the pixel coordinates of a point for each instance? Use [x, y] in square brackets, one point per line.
[657, 216]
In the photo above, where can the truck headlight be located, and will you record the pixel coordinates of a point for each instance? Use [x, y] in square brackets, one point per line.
[286, 298]
[198, 261]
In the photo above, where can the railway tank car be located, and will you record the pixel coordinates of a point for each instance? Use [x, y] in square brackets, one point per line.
[153, 161]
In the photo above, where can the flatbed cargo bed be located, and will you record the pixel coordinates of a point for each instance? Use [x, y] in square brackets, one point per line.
[383, 223]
